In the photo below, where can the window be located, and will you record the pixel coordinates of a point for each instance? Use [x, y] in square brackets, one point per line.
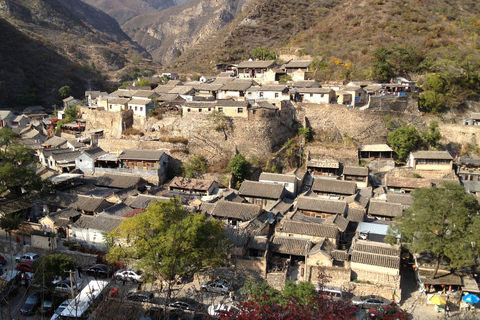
[249, 93]
[135, 108]
[199, 109]
[321, 95]
[261, 94]
[188, 110]
[220, 109]
[239, 110]
[276, 94]
[209, 109]
[311, 95]
[141, 108]
[110, 107]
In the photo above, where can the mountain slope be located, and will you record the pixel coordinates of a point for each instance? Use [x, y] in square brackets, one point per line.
[124, 10]
[50, 43]
[167, 34]
[342, 35]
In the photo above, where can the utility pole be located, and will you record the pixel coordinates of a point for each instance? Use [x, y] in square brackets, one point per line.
[71, 282]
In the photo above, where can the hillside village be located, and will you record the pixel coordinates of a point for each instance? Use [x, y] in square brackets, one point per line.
[329, 212]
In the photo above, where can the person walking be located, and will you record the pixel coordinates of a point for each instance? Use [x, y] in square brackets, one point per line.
[79, 269]
[447, 311]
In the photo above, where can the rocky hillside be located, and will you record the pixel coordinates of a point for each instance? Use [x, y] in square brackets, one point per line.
[342, 35]
[166, 35]
[124, 10]
[47, 44]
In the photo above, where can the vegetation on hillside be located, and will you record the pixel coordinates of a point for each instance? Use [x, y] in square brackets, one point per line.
[369, 39]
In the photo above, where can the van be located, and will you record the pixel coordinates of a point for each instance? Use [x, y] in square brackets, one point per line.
[334, 292]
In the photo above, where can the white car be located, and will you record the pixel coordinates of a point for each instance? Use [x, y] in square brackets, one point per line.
[27, 257]
[129, 275]
[215, 310]
[64, 286]
[60, 309]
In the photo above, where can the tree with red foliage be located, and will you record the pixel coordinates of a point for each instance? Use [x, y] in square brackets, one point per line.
[319, 307]
[390, 312]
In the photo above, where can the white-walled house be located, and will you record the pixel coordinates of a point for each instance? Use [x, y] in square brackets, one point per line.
[289, 181]
[273, 93]
[140, 107]
[89, 230]
[316, 95]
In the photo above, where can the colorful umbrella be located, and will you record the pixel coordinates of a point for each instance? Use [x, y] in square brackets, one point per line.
[471, 298]
[438, 300]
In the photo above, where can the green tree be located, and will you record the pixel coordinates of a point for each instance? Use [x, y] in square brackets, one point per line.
[382, 68]
[306, 133]
[143, 82]
[10, 222]
[15, 174]
[258, 290]
[65, 92]
[403, 140]
[443, 221]
[71, 112]
[432, 136]
[431, 101]
[196, 165]
[239, 167]
[51, 267]
[298, 292]
[263, 53]
[167, 241]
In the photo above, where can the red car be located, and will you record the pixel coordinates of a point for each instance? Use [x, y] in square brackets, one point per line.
[2, 260]
[25, 266]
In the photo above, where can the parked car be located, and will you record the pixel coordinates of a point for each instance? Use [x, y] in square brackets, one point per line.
[60, 309]
[183, 305]
[219, 286]
[140, 296]
[99, 271]
[31, 304]
[215, 310]
[3, 261]
[65, 286]
[50, 304]
[370, 301]
[27, 257]
[25, 266]
[129, 275]
[384, 311]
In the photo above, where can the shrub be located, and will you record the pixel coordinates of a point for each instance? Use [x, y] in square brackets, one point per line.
[132, 131]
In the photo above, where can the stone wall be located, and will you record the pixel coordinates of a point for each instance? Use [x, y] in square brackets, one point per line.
[112, 123]
[337, 277]
[381, 278]
[393, 103]
[360, 289]
[277, 279]
[254, 267]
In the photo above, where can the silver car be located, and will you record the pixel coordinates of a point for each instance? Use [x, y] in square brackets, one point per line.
[219, 286]
[129, 275]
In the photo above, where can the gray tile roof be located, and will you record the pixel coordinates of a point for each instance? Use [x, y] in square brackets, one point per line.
[334, 186]
[60, 199]
[314, 90]
[382, 249]
[103, 222]
[182, 90]
[384, 209]
[91, 204]
[404, 199]
[443, 155]
[340, 255]
[256, 64]
[305, 84]
[142, 102]
[207, 207]
[376, 148]
[355, 171]
[55, 141]
[277, 177]
[231, 103]
[142, 201]
[339, 221]
[310, 229]
[122, 101]
[376, 259]
[236, 236]
[412, 183]
[356, 214]
[258, 243]
[118, 181]
[119, 209]
[292, 246]
[321, 205]
[65, 155]
[237, 85]
[94, 153]
[141, 154]
[235, 210]
[273, 88]
[67, 213]
[164, 89]
[257, 189]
